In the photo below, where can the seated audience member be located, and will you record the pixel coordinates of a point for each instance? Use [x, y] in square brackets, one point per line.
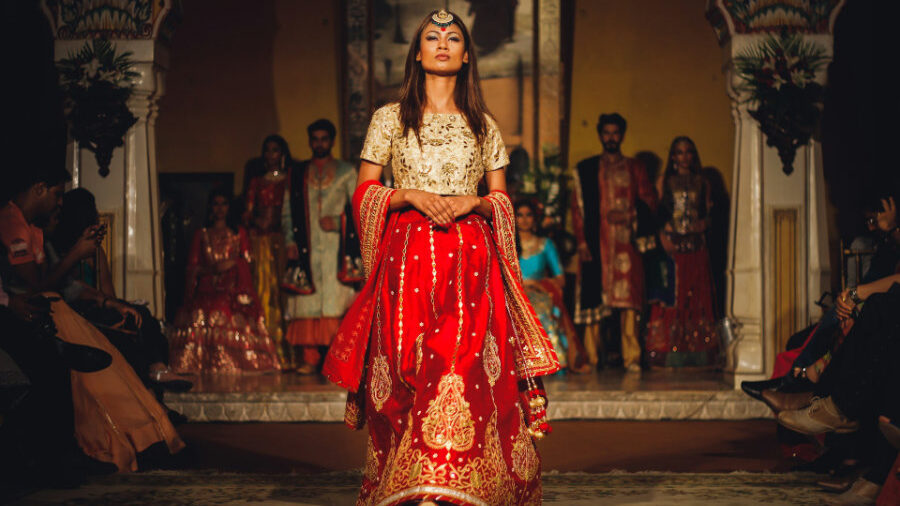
[37, 444]
[809, 361]
[88, 289]
[862, 382]
[115, 415]
[543, 280]
[221, 326]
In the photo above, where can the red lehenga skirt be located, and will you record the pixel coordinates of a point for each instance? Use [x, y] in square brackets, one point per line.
[221, 329]
[685, 334]
[442, 398]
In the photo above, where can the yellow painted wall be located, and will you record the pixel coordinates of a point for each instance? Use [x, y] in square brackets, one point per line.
[658, 64]
[241, 70]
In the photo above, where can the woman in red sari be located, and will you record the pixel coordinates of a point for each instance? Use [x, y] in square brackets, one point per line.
[682, 331]
[221, 327]
[441, 350]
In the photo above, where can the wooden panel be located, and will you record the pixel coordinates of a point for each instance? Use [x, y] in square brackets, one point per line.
[785, 264]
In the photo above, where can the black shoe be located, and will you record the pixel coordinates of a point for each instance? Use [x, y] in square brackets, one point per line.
[82, 358]
[755, 388]
[175, 417]
[94, 467]
[176, 386]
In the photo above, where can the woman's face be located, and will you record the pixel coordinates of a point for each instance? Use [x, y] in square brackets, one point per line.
[272, 154]
[219, 208]
[683, 157]
[524, 218]
[442, 51]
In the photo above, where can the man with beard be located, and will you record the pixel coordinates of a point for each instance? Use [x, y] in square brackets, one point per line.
[317, 226]
[608, 187]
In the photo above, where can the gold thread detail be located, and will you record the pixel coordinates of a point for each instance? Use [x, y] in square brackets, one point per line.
[381, 381]
[448, 422]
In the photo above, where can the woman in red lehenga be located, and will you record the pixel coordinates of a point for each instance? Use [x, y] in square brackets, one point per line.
[441, 351]
[684, 333]
[220, 328]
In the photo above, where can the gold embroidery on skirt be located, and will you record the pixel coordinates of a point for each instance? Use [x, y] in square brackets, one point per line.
[492, 365]
[419, 351]
[448, 422]
[485, 478]
[381, 381]
[524, 457]
[352, 413]
[371, 470]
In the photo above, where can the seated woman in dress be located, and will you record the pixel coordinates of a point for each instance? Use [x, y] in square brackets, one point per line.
[221, 326]
[88, 288]
[543, 280]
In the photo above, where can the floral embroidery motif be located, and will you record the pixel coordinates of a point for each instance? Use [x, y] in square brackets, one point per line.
[370, 471]
[445, 159]
[524, 457]
[482, 480]
[492, 365]
[448, 422]
[381, 381]
[353, 416]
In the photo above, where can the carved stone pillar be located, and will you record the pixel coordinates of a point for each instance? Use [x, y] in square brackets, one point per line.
[778, 262]
[129, 195]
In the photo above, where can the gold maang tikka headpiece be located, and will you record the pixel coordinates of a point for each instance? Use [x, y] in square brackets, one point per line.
[442, 19]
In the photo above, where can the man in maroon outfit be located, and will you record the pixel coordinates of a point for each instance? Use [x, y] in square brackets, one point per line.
[608, 187]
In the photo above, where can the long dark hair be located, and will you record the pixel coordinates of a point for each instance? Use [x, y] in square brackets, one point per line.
[467, 95]
[670, 165]
[78, 212]
[231, 219]
[257, 166]
[536, 214]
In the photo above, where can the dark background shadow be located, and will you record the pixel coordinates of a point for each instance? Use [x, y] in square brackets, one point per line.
[858, 136]
[717, 234]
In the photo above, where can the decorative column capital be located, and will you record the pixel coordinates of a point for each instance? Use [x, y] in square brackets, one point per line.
[733, 17]
[112, 19]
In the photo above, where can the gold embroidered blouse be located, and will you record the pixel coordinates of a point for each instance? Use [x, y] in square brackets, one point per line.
[449, 160]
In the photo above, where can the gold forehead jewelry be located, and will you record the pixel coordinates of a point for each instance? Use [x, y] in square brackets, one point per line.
[442, 18]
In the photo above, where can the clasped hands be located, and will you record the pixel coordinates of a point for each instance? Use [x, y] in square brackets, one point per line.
[440, 209]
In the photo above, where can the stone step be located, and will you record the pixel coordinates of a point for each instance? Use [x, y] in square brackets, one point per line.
[327, 405]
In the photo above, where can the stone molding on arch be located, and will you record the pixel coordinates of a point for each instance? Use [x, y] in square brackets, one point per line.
[731, 17]
[112, 19]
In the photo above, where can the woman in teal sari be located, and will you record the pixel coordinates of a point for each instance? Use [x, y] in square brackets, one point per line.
[543, 280]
